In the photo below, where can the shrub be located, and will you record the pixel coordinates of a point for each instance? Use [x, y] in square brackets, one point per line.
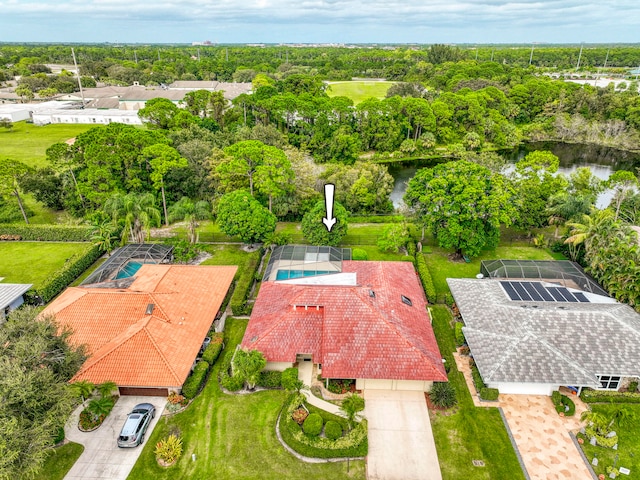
[231, 383]
[633, 387]
[243, 284]
[443, 394]
[59, 436]
[59, 280]
[299, 415]
[411, 248]
[359, 254]
[212, 352]
[289, 379]
[448, 299]
[556, 397]
[193, 383]
[339, 386]
[460, 340]
[596, 396]
[465, 350]
[183, 251]
[332, 430]
[477, 378]
[425, 278]
[47, 233]
[312, 425]
[567, 402]
[489, 394]
[169, 449]
[270, 379]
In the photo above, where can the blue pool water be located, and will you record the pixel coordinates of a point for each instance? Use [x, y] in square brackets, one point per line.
[129, 269]
[287, 274]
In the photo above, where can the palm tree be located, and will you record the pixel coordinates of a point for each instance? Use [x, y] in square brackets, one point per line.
[190, 211]
[100, 406]
[138, 213]
[351, 406]
[597, 419]
[623, 417]
[594, 228]
[563, 208]
[82, 389]
[103, 235]
[105, 389]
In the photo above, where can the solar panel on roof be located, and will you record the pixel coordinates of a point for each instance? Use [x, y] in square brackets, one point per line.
[581, 297]
[567, 294]
[521, 291]
[555, 294]
[513, 295]
[533, 293]
[542, 291]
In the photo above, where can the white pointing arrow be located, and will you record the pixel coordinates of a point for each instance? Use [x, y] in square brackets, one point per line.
[329, 221]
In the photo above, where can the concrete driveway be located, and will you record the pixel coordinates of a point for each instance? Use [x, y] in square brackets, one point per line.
[101, 457]
[401, 445]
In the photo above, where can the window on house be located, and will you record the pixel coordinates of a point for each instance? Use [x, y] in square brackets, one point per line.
[608, 382]
[406, 300]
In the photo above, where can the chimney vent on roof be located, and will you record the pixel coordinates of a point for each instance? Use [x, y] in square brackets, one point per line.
[150, 308]
[372, 294]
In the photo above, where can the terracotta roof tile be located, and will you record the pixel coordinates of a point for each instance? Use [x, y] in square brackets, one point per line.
[352, 334]
[128, 346]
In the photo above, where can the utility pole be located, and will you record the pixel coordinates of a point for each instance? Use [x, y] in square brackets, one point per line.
[531, 56]
[579, 56]
[75, 64]
[604, 68]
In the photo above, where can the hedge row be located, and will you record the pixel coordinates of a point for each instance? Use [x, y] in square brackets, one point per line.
[377, 219]
[270, 379]
[596, 396]
[59, 280]
[425, 278]
[459, 334]
[489, 393]
[243, 286]
[477, 379]
[47, 233]
[211, 353]
[196, 380]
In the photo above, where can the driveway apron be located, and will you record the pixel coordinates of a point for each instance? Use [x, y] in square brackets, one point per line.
[102, 458]
[401, 445]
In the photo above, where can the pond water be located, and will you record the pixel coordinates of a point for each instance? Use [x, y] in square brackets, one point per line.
[602, 161]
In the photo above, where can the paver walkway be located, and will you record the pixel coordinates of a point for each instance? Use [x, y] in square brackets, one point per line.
[401, 444]
[542, 436]
[305, 374]
[102, 459]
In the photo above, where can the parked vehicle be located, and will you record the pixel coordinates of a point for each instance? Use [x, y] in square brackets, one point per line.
[132, 433]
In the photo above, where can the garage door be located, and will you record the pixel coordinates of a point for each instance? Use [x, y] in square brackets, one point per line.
[144, 391]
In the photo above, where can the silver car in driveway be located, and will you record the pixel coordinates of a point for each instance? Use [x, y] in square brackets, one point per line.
[132, 433]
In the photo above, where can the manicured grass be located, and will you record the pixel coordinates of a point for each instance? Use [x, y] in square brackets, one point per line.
[28, 143]
[60, 461]
[374, 254]
[628, 442]
[228, 255]
[34, 262]
[466, 432]
[358, 91]
[442, 268]
[232, 436]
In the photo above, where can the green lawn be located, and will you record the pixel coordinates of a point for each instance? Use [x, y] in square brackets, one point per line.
[441, 267]
[374, 254]
[628, 443]
[469, 433]
[228, 255]
[34, 262]
[28, 143]
[233, 437]
[60, 461]
[358, 91]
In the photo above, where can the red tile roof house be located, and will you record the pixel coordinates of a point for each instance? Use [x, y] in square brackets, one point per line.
[146, 337]
[360, 330]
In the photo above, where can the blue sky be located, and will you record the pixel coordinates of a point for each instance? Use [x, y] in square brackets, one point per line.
[308, 21]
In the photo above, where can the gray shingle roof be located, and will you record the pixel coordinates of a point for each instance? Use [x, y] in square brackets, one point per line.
[10, 291]
[546, 342]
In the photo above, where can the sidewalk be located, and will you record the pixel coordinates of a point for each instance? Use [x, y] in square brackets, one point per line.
[305, 374]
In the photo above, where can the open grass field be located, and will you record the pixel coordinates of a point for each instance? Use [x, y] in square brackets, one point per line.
[358, 91]
[34, 262]
[628, 443]
[465, 432]
[441, 267]
[233, 437]
[28, 143]
[60, 461]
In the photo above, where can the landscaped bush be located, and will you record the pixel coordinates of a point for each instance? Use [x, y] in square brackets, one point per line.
[212, 352]
[339, 386]
[332, 430]
[596, 396]
[233, 384]
[556, 397]
[289, 379]
[359, 254]
[312, 425]
[47, 233]
[270, 379]
[299, 415]
[633, 387]
[243, 284]
[477, 378]
[183, 251]
[465, 350]
[567, 402]
[490, 394]
[460, 340]
[443, 394]
[59, 436]
[169, 449]
[175, 402]
[425, 278]
[194, 381]
[59, 280]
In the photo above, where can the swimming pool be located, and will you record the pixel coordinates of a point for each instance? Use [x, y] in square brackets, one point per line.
[287, 274]
[129, 269]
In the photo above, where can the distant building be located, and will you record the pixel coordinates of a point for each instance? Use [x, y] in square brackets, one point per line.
[11, 297]
[86, 115]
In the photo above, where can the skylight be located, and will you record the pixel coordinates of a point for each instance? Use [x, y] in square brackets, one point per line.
[406, 300]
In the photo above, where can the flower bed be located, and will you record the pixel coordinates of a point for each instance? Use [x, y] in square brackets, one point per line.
[88, 422]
